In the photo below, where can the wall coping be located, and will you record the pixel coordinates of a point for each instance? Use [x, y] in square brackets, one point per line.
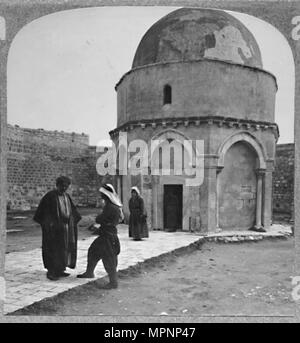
[40, 130]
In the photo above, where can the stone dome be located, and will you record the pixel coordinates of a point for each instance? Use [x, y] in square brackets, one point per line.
[190, 34]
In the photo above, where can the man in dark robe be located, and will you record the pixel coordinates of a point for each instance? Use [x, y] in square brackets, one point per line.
[107, 246]
[58, 218]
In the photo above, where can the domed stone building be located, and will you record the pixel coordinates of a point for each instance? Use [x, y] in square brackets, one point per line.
[197, 75]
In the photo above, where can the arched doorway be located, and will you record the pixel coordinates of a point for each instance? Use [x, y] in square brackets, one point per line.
[238, 187]
[173, 201]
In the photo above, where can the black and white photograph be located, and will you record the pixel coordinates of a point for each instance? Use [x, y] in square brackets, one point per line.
[149, 161]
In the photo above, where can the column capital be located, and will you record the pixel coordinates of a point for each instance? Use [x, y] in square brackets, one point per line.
[270, 165]
[260, 172]
[219, 169]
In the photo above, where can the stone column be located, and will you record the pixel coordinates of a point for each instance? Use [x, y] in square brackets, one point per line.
[154, 203]
[212, 199]
[219, 169]
[119, 186]
[126, 185]
[259, 199]
[186, 208]
[268, 196]
[208, 196]
[160, 204]
[147, 196]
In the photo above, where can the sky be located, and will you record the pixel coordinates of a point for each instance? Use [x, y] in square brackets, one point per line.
[62, 68]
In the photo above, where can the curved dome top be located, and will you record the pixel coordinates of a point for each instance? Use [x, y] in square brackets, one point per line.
[191, 34]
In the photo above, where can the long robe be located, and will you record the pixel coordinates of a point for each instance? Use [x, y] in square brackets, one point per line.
[137, 220]
[107, 245]
[59, 236]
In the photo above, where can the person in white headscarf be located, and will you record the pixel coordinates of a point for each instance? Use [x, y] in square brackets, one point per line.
[118, 201]
[137, 220]
[107, 245]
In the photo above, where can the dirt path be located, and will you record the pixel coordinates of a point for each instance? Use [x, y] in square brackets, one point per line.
[223, 279]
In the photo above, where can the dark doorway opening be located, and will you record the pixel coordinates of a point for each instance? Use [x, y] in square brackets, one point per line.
[172, 207]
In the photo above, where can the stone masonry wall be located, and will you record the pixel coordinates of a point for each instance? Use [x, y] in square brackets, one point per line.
[37, 157]
[283, 181]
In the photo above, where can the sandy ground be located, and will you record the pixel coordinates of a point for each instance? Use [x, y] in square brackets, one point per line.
[217, 279]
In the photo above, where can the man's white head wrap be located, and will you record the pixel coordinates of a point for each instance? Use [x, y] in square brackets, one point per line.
[110, 192]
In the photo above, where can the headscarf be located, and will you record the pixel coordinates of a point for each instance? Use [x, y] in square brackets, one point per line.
[136, 190]
[110, 192]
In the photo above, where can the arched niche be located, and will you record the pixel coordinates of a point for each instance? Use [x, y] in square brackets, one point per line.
[247, 138]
